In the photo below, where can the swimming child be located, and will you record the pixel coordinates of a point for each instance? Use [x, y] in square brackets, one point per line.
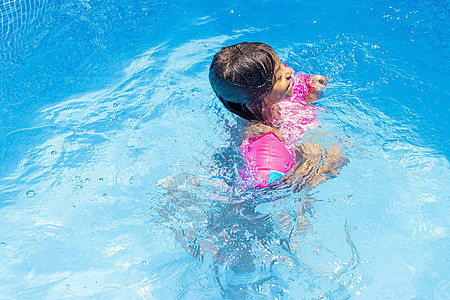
[251, 82]
[276, 108]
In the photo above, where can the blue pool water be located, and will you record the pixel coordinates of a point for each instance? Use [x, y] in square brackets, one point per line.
[112, 145]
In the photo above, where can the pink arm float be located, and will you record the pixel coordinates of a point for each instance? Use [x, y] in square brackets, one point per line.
[267, 158]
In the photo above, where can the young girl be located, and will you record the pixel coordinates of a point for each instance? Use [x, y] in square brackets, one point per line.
[252, 82]
[274, 103]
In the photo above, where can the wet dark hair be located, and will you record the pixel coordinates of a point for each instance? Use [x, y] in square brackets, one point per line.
[241, 75]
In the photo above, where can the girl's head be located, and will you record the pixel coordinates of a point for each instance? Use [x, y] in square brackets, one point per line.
[248, 78]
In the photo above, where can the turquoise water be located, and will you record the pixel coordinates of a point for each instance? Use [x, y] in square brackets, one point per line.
[102, 103]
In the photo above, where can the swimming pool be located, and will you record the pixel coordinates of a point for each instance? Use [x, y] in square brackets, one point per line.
[102, 102]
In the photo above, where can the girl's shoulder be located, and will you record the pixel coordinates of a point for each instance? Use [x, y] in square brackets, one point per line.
[254, 129]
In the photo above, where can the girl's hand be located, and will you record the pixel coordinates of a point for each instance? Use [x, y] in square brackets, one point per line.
[316, 83]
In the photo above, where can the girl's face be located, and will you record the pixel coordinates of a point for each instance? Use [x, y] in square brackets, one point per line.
[282, 88]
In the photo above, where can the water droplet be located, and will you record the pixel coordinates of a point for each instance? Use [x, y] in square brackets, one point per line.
[115, 104]
[145, 262]
[53, 152]
[30, 193]
[100, 179]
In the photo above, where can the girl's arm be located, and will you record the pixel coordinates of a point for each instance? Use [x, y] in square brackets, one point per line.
[317, 160]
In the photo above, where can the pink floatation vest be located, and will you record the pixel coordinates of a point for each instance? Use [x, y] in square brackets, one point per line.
[267, 157]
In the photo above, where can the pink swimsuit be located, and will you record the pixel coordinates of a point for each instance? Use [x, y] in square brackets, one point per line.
[296, 117]
[267, 157]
